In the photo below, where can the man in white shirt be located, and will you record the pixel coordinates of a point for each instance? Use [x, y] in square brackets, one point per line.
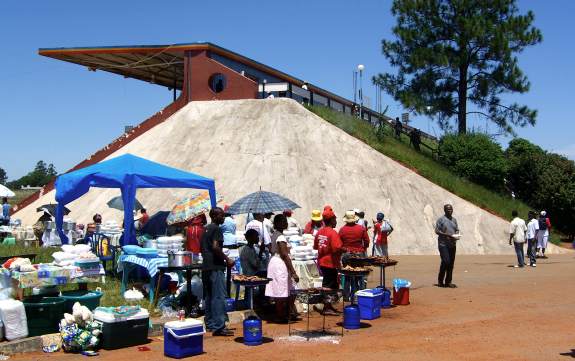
[532, 230]
[517, 232]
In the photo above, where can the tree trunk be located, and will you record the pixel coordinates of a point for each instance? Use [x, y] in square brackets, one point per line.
[462, 94]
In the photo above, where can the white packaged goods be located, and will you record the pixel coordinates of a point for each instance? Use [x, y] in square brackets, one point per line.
[13, 316]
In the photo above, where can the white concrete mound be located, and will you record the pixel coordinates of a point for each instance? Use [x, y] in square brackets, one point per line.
[281, 146]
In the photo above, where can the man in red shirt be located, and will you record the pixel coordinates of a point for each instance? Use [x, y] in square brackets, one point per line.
[328, 244]
[355, 242]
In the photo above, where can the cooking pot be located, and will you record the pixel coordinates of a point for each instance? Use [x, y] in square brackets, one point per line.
[49, 225]
[180, 258]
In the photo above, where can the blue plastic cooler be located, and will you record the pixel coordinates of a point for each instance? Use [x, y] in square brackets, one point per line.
[369, 302]
[183, 338]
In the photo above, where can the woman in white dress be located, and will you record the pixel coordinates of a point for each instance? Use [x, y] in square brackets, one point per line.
[282, 273]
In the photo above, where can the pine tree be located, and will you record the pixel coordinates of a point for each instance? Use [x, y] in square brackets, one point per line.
[451, 52]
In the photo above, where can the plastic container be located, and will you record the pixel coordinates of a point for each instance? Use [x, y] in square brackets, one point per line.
[253, 334]
[147, 253]
[230, 304]
[351, 320]
[386, 299]
[369, 302]
[90, 299]
[120, 332]
[43, 314]
[401, 296]
[131, 249]
[183, 338]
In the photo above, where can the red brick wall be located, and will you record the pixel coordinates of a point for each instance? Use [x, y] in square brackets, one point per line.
[237, 85]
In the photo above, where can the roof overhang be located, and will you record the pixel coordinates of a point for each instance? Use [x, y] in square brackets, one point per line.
[161, 64]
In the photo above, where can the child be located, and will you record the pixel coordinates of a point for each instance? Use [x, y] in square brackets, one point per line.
[381, 231]
[249, 260]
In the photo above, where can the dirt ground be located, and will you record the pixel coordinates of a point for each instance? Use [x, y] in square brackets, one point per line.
[497, 312]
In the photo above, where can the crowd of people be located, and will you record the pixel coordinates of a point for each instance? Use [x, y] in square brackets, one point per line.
[267, 254]
[534, 233]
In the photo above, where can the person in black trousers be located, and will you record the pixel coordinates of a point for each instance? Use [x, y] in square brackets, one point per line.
[447, 232]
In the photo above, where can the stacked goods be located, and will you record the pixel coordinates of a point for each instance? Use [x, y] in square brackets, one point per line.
[75, 255]
[303, 253]
[292, 231]
[13, 316]
[165, 244]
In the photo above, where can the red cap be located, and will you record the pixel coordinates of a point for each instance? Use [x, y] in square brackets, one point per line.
[327, 214]
[226, 208]
[287, 212]
[327, 207]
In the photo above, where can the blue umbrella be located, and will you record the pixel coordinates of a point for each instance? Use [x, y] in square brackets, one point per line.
[261, 202]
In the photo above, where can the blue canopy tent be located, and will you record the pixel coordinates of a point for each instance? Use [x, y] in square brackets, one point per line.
[128, 173]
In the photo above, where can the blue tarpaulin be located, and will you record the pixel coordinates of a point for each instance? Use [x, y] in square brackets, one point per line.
[128, 173]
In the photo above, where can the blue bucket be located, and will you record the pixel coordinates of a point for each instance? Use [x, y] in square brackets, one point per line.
[230, 304]
[386, 300]
[253, 333]
[351, 317]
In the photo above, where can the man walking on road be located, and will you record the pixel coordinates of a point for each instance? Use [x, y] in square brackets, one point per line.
[543, 235]
[517, 232]
[447, 232]
[532, 230]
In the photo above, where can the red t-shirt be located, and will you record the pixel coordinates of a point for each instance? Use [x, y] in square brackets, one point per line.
[308, 229]
[193, 237]
[144, 219]
[380, 237]
[354, 238]
[328, 245]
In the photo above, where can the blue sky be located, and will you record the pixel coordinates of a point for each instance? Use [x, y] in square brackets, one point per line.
[61, 113]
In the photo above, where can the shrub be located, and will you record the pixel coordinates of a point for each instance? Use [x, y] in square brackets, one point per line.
[476, 157]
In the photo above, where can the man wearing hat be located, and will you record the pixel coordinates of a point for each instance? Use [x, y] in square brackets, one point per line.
[328, 244]
[355, 241]
[313, 226]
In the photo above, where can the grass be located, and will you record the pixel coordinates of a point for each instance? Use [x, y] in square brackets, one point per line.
[20, 196]
[111, 288]
[425, 165]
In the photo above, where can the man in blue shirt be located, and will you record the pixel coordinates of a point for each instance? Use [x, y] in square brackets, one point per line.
[5, 212]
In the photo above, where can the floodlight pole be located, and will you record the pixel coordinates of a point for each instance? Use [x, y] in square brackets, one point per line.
[360, 67]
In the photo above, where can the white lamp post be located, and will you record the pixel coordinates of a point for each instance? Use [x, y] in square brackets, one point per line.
[360, 68]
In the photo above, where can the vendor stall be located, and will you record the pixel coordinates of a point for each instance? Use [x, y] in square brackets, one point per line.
[128, 173]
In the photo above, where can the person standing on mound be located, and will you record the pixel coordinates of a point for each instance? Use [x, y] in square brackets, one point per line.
[447, 232]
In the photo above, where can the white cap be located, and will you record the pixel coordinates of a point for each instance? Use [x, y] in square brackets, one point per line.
[543, 213]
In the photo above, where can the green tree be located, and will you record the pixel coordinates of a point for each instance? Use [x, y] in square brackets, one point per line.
[451, 52]
[476, 157]
[543, 180]
[40, 176]
[3, 176]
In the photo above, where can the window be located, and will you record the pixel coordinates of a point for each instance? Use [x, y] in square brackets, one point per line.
[217, 82]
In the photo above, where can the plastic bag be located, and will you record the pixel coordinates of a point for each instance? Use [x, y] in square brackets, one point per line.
[400, 283]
